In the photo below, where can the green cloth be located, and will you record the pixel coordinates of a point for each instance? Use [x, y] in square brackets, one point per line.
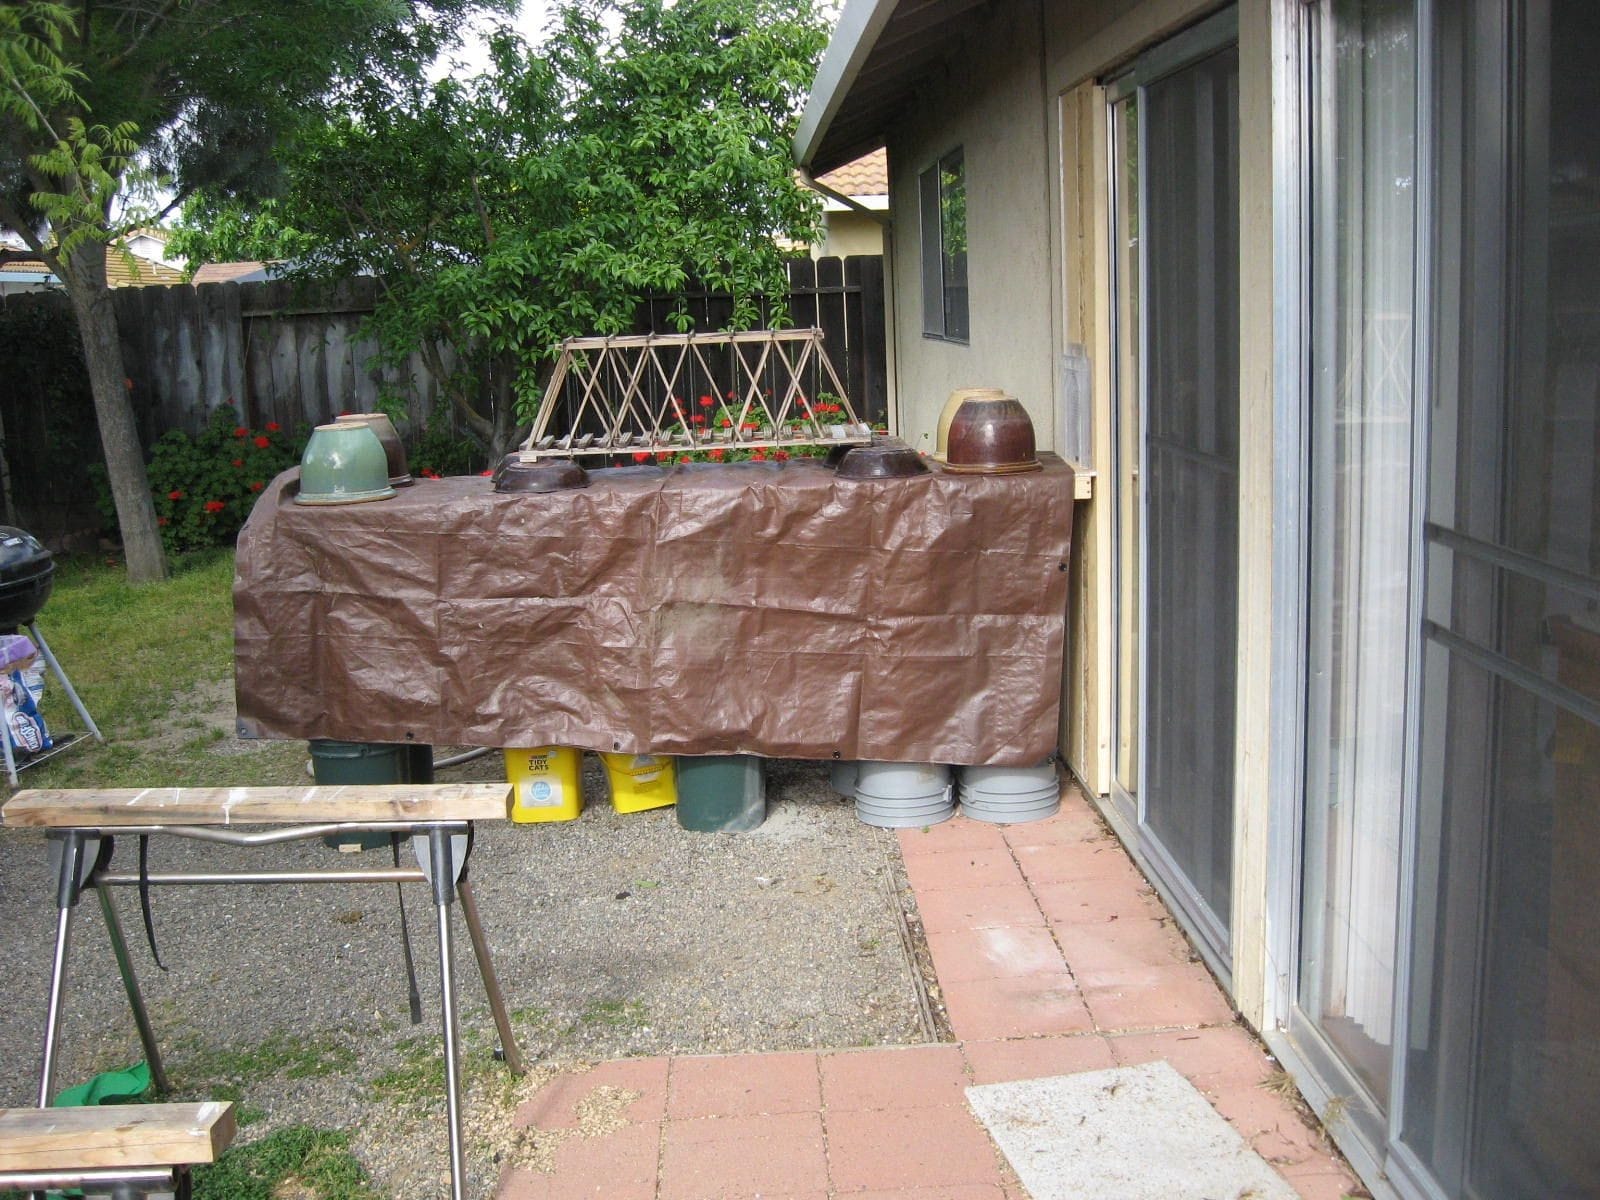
[110, 1087]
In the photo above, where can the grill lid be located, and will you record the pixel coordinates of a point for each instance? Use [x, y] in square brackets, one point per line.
[22, 556]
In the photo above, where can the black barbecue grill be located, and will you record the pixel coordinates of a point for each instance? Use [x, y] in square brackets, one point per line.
[27, 573]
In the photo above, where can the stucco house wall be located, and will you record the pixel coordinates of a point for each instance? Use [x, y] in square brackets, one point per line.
[1000, 126]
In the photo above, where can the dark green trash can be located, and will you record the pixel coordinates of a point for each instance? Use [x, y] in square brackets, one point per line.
[721, 793]
[334, 763]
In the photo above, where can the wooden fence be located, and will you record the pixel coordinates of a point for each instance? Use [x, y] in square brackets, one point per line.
[279, 355]
[276, 352]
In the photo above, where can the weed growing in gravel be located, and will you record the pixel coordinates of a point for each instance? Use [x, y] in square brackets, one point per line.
[298, 1161]
[615, 1014]
[224, 1073]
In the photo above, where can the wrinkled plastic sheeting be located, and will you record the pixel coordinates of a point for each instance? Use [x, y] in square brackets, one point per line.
[743, 608]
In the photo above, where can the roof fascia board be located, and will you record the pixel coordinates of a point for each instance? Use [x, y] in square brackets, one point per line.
[853, 39]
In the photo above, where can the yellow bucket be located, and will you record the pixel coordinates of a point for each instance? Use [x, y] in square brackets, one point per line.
[548, 782]
[640, 781]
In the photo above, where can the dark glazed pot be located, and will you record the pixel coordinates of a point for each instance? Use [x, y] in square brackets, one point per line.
[885, 458]
[546, 475]
[991, 435]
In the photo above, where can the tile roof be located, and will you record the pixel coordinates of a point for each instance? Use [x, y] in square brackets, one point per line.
[866, 176]
[223, 272]
[124, 268]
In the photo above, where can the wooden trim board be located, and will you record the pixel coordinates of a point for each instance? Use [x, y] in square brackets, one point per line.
[118, 1135]
[90, 808]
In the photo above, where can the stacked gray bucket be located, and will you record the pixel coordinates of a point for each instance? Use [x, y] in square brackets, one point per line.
[893, 795]
[1009, 795]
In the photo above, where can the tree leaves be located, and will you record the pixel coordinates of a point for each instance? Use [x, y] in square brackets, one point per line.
[644, 145]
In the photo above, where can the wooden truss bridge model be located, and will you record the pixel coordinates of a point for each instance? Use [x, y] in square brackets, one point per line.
[673, 393]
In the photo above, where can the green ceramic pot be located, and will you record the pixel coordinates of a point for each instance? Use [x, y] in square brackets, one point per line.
[343, 464]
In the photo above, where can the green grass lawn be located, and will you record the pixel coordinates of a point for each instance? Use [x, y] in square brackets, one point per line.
[154, 666]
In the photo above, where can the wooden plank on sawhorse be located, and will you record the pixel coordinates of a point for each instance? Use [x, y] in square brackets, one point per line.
[114, 1136]
[106, 808]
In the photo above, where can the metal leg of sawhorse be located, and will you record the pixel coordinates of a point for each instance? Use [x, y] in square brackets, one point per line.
[78, 853]
[442, 854]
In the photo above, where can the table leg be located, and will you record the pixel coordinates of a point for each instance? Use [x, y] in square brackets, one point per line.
[68, 884]
[444, 888]
[491, 981]
[130, 984]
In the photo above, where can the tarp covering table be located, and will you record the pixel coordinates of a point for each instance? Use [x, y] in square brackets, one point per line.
[743, 608]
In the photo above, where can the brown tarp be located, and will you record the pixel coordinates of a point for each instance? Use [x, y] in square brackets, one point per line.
[743, 608]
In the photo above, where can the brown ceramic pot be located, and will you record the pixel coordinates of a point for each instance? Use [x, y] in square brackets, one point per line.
[941, 442]
[546, 475]
[885, 458]
[991, 435]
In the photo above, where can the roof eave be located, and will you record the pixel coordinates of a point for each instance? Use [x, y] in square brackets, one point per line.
[853, 39]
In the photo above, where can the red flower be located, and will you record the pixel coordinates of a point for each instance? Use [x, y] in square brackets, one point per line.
[707, 402]
[174, 494]
[161, 521]
[487, 472]
[758, 456]
[663, 455]
[256, 485]
[429, 473]
[239, 431]
[641, 456]
[263, 442]
[781, 455]
[730, 395]
[273, 427]
[726, 422]
[747, 425]
[238, 462]
[683, 458]
[698, 419]
[215, 506]
[716, 456]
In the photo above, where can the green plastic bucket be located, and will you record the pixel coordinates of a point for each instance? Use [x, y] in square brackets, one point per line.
[721, 793]
[334, 763]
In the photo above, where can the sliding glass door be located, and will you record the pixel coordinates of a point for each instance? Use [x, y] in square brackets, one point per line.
[1445, 1000]
[1502, 1079]
[1362, 422]
[1175, 121]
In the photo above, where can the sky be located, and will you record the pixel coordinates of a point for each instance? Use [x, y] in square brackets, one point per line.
[473, 55]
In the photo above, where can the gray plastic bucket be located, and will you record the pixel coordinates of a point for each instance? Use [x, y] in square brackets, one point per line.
[894, 795]
[1010, 795]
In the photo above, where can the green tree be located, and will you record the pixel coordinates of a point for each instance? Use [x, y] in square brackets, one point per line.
[99, 102]
[642, 147]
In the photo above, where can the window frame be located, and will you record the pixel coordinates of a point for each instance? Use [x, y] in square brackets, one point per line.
[938, 288]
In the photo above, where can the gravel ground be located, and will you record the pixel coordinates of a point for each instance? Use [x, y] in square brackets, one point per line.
[613, 935]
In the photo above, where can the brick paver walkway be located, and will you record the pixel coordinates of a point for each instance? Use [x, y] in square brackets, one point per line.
[1052, 955]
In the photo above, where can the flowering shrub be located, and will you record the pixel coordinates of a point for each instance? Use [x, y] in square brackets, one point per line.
[204, 487]
[709, 415]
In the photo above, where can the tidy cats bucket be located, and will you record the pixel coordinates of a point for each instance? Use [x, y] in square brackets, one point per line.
[548, 782]
[640, 781]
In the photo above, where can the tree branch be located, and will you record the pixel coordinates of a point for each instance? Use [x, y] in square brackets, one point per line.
[13, 218]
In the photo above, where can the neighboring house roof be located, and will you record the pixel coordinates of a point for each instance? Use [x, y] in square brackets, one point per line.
[866, 176]
[880, 51]
[124, 268]
[232, 272]
[866, 181]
